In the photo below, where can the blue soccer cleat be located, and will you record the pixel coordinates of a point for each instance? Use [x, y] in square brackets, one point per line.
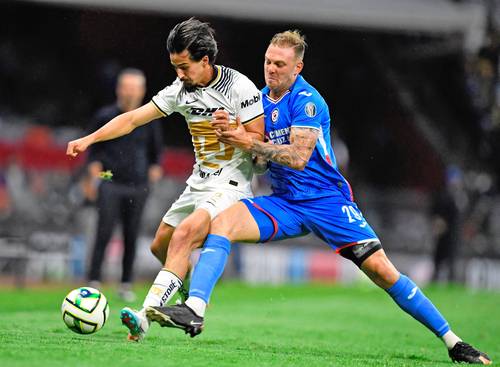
[136, 323]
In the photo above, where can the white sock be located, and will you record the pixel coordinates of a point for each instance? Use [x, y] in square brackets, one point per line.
[163, 289]
[197, 305]
[450, 339]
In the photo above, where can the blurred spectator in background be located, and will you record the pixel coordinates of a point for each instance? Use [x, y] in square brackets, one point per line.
[483, 84]
[134, 163]
[341, 154]
[5, 206]
[446, 208]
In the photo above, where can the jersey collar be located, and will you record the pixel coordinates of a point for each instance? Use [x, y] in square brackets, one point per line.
[266, 90]
[216, 77]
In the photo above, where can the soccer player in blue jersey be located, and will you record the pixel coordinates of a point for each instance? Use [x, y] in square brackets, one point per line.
[309, 195]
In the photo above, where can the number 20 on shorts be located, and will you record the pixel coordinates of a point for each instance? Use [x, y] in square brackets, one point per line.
[353, 215]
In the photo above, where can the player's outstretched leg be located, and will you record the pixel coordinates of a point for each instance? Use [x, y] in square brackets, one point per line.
[412, 300]
[463, 352]
[136, 323]
[177, 316]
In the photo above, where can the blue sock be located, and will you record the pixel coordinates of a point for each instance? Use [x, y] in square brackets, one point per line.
[210, 266]
[411, 299]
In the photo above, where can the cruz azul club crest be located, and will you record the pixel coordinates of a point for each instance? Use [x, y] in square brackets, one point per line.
[274, 115]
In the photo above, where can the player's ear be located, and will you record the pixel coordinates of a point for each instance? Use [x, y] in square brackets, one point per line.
[299, 67]
[205, 60]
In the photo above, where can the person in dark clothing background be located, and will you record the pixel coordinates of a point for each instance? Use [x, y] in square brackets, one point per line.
[446, 208]
[134, 163]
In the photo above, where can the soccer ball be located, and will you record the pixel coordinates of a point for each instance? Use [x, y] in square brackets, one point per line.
[85, 310]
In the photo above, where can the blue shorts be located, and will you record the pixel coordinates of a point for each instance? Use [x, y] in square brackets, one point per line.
[334, 219]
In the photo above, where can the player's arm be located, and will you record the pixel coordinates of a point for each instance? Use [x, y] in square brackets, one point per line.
[254, 128]
[120, 125]
[295, 155]
[248, 110]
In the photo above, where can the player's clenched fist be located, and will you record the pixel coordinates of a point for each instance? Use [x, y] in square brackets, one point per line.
[220, 120]
[77, 146]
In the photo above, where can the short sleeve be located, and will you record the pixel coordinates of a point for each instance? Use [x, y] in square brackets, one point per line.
[307, 109]
[248, 100]
[166, 99]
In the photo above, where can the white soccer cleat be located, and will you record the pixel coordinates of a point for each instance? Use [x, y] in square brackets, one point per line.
[136, 323]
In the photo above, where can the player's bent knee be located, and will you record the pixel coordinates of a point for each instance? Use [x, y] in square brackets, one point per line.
[183, 239]
[160, 243]
[228, 223]
[380, 270]
[158, 249]
[155, 248]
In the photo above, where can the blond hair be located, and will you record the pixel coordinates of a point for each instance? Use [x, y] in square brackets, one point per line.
[292, 39]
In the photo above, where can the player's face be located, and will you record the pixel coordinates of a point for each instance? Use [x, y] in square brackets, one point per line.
[130, 91]
[191, 73]
[281, 68]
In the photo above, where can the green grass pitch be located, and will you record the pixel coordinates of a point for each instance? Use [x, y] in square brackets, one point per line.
[304, 325]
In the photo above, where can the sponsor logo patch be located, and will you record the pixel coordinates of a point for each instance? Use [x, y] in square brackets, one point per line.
[196, 111]
[156, 290]
[173, 285]
[250, 101]
[310, 109]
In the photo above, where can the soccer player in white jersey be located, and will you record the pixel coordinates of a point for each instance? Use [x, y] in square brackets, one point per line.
[203, 93]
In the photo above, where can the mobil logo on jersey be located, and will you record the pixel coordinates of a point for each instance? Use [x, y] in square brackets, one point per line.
[248, 102]
[280, 136]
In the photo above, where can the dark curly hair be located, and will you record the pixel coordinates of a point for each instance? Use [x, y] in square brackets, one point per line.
[196, 37]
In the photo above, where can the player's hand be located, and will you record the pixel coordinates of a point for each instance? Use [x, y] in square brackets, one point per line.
[155, 173]
[238, 137]
[94, 169]
[220, 120]
[77, 146]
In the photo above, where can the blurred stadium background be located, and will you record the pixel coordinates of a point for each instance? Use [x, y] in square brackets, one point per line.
[413, 86]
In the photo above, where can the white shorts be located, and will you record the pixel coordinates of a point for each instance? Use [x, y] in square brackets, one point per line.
[213, 201]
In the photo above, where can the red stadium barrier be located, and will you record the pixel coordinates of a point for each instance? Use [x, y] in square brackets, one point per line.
[324, 266]
[43, 155]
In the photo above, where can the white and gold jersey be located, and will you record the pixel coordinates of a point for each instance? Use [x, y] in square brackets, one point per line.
[217, 165]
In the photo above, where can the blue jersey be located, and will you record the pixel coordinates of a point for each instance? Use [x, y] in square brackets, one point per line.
[303, 106]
